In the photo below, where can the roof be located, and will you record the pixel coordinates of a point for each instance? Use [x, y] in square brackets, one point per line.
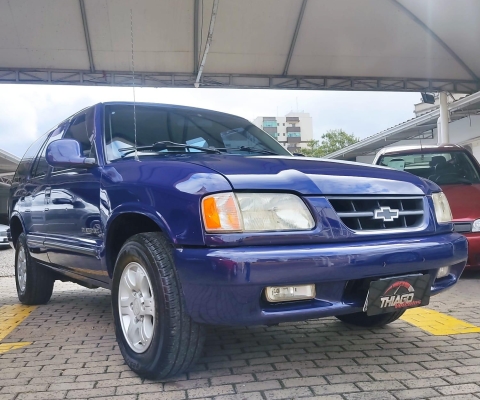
[459, 109]
[8, 163]
[399, 45]
[425, 149]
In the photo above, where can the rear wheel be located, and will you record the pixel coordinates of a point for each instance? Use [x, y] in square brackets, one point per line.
[34, 282]
[156, 336]
[370, 321]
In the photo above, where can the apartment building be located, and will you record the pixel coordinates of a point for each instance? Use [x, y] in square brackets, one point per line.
[292, 131]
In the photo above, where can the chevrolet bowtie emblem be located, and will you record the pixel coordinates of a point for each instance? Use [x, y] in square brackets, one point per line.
[385, 213]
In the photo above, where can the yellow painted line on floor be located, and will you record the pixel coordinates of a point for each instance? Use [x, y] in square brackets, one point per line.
[10, 317]
[4, 347]
[437, 323]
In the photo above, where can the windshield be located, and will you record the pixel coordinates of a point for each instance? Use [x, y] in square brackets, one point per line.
[190, 127]
[445, 168]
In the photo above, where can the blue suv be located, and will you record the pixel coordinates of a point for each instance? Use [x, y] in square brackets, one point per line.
[194, 217]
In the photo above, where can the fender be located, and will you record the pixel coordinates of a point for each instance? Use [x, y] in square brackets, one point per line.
[142, 209]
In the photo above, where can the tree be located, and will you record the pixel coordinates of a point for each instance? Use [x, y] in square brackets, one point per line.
[332, 140]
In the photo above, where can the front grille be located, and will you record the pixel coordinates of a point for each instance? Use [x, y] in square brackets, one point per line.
[462, 227]
[365, 213]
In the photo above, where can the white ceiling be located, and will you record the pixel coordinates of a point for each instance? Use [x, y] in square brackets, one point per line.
[357, 40]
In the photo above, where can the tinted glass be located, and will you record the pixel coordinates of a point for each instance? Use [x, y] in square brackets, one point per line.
[40, 167]
[443, 168]
[23, 168]
[189, 127]
[78, 131]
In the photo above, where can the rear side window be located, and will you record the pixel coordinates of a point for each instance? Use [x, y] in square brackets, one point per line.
[24, 166]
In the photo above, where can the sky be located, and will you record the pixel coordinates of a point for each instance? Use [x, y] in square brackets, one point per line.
[28, 111]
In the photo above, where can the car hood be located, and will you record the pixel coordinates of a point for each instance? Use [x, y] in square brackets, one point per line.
[464, 201]
[312, 176]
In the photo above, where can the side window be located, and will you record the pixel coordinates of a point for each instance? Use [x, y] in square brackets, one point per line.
[40, 166]
[78, 130]
[23, 168]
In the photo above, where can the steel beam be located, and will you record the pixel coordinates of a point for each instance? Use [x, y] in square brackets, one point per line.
[234, 81]
[196, 8]
[87, 35]
[208, 43]
[295, 35]
[436, 38]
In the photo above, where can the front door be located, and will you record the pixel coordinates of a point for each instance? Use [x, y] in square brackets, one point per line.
[73, 220]
[34, 199]
[75, 234]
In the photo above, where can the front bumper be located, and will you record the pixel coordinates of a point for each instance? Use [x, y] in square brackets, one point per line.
[473, 250]
[225, 286]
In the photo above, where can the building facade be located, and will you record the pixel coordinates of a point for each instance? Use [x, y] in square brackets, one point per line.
[292, 131]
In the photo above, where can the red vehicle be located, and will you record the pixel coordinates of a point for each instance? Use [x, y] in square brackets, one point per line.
[457, 172]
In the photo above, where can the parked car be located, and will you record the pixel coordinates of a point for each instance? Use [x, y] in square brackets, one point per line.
[457, 172]
[3, 236]
[195, 217]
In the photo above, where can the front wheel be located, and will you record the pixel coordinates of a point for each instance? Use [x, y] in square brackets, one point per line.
[155, 334]
[34, 282]
[370, 321]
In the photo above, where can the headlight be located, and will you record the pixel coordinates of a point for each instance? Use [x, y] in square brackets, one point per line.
[476, 226]
[255, 212]
[442, 208]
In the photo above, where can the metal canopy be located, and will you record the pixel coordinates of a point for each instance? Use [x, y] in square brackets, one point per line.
[412, 128]
[399, 45]
[8, 165]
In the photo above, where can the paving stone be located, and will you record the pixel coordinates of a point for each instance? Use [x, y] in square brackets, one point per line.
[339, 388]
[241, 396]
[426, 382]
[291, 393]
[369, 396]
[308, 381]
[459, 389]
[257, 386]
[415, 394]
[210, 391]
[380, 385]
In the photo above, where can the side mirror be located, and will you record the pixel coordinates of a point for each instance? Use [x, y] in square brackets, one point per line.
[66, 153]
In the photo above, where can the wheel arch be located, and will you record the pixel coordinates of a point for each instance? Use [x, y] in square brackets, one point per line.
[16, 227]
[123, 225]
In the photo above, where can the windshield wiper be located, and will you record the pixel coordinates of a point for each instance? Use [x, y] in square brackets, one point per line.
[246, 148]
[159, 146]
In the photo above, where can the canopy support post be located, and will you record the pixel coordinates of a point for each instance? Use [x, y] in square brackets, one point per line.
[442, 123]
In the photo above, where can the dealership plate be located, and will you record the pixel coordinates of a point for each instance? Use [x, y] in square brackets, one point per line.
[393, 294]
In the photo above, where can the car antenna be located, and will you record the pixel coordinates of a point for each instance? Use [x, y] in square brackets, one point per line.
[133, 87]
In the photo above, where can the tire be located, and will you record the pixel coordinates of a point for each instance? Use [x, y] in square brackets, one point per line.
[164, 340]
[34, 282]
[363, 320]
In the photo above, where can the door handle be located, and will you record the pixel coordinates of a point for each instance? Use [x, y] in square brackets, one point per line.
[62, 200]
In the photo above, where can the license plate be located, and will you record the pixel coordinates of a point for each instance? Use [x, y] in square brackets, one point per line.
[394, 294]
